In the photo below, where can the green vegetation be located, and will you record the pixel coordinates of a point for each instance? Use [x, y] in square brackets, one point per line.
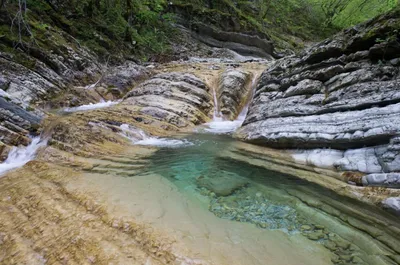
[288, 22]
[143, 28]
[105, 26]
[355, 11]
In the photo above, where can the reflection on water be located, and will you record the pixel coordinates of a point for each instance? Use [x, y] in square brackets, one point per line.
[354, 232]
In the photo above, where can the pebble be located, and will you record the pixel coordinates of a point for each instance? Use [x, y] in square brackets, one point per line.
[347, 258]
[335, 258]
[357, 260]
[330, 245]
[258, 194]
[341, 243]
[317, 235]
[305, 227]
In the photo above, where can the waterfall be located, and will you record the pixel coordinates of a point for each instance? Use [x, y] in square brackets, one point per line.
[220, 126]
[243, 114]
[217, 114]
[19, 156]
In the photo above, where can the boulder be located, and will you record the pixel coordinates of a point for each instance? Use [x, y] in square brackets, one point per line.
[391, 180]
[392, 204]
[223, 185]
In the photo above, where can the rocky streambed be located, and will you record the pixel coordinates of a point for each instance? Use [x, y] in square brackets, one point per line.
[152, 175]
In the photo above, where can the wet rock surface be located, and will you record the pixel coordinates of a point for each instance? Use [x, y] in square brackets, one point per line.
[59, 73]
[341, 94]
[233, 90]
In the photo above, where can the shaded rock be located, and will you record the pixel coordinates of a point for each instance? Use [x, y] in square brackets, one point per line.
[241, 43]
[304, 87]
[125, 76]
[390, 159]
[10, 137]
[4, 150]
[222, 185]
[233, 90]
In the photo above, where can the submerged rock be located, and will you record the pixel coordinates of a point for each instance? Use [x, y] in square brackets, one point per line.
[222, 185]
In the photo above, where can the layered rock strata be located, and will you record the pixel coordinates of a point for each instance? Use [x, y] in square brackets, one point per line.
[341, 96]
[244, 44]
[233, 90]
[159, 106]
[177, 98]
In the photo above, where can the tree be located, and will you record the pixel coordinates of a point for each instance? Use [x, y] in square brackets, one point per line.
[332, 8]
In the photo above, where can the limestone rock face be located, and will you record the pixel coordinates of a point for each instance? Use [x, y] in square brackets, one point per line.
[342, 94]
[176, 98]
[41, 77]
[125, 76]
[233, 89]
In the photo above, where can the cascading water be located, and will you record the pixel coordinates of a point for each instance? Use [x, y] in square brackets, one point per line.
[217, 114]
[220, 126]
[91, 106]
[19, 156]
[139, 137]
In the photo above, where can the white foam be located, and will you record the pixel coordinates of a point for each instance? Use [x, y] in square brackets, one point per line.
[91, 106]
[19, 156]
[220, 126]
[164, 142]
[139, 137]
[134, 134]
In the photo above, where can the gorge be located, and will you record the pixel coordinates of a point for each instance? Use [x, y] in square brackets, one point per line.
[234, 150]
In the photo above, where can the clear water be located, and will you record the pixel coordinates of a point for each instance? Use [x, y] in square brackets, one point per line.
[354, 232]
